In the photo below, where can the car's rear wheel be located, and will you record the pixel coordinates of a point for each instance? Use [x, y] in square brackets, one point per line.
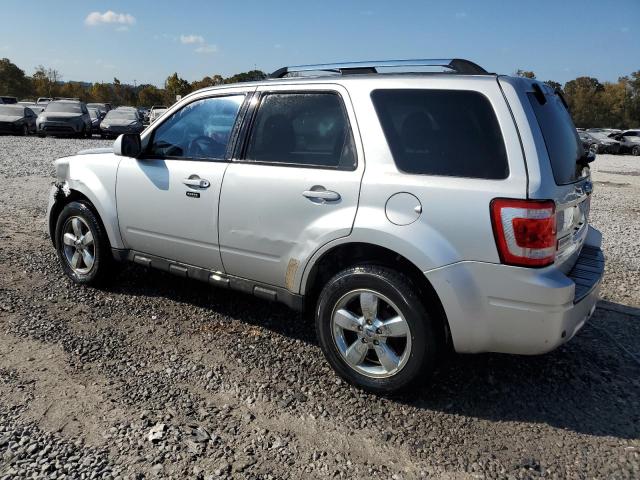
[25, 130]
[594, 148]
[374, 330]
[635, 151]
[82, 245]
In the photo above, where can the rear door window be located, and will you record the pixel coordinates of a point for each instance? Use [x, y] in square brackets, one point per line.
[560, 137]
[304, 129]
[442, 132]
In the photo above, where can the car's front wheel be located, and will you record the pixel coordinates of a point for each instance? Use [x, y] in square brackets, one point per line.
[82, 245]
[635, 151]
[374, 329]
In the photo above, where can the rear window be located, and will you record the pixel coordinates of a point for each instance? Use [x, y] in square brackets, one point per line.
[560, 137]
[442, 132]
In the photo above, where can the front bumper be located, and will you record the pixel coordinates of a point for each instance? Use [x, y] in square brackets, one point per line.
[500, 308]
[10, 128]
[59, 128]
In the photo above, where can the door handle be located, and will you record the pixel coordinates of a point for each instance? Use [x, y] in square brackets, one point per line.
[196, 182]
[321, 194]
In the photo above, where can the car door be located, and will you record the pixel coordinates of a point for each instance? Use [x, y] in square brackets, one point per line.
[167, 199]
[295, 184]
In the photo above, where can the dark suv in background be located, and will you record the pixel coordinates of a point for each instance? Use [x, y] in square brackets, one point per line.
[65, 117]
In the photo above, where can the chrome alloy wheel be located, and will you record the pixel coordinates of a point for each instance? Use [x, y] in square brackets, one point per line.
[79, 247]
[371, 334]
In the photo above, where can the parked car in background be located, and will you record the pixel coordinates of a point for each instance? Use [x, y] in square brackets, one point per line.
[629, 141]
[8, 100]
[598, 142]
[96, 119]
[144, 114]
[35, 108]
[17, 119]
[450, 233]
[64, 117]
[121, 120]
[43, 100]
[104, 107]
[155, 112]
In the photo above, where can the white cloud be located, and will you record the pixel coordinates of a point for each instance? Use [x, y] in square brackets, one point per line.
[191, 39]
[208, 48]
[109, 17]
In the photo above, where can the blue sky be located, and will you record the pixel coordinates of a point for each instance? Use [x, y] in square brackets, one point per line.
[147, 40]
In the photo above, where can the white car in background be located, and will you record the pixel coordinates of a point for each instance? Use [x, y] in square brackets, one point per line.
[155, 112]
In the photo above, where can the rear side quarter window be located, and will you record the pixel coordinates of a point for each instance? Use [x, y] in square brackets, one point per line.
[442, 132]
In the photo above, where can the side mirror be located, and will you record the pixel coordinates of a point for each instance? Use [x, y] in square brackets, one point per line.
[128, 145]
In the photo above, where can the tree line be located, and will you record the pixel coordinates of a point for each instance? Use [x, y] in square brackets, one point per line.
[592, 103]
[48, 82]
[600, 104]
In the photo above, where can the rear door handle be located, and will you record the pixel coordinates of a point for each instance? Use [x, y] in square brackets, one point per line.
[321, 194]
[196, 182]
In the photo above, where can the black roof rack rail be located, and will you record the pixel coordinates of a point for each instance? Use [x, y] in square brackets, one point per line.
[457, 65]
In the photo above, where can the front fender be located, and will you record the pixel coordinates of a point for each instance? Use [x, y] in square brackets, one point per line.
[93, 176]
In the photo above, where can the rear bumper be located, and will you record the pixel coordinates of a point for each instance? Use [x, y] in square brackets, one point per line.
[500, 308]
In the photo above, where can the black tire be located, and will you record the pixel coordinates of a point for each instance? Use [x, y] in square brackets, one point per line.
[25, 130]
[396, 287]
[102, 268]
[635, 151]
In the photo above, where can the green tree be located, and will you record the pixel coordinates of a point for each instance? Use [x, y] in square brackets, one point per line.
[553, 85]
[13, 81]
[250, 76]
[585, 101]
[207, 82]
[149, 95]
[525, 73]
[174, 86]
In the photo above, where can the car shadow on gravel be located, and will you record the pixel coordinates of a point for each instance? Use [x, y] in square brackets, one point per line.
[137, 281]
[591, 385]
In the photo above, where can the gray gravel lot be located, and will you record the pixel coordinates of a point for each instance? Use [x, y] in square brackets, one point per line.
[157, 377]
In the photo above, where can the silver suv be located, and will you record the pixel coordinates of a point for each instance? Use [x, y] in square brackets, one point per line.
[410, 213]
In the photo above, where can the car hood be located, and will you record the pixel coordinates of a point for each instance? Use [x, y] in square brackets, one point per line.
[95, 151]
[10, 118]
[65, 115]
[119, 122]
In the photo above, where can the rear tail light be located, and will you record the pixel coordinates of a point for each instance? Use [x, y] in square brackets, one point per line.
[525, 231]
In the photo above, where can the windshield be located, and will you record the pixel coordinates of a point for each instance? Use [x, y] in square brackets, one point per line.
[11, 110]
[63, 107]
[121, 115]
[560, 137]
[93, 113]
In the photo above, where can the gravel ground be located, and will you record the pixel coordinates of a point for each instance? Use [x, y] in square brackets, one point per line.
[155, 377]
